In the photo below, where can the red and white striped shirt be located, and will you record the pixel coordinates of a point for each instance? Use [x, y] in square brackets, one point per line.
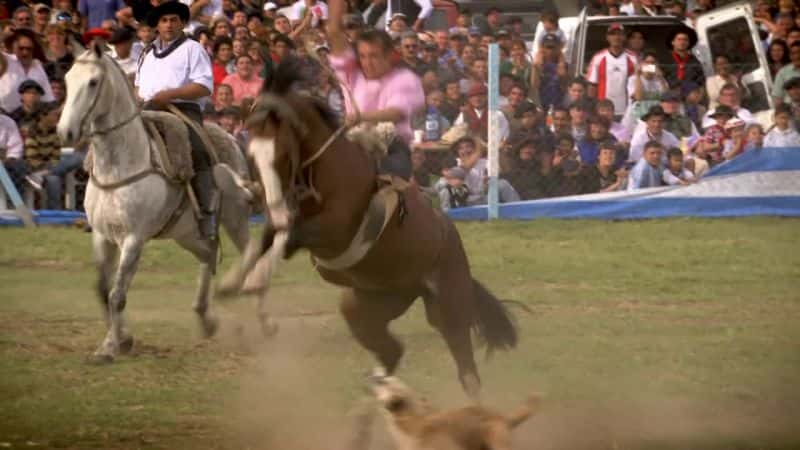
[610, 73]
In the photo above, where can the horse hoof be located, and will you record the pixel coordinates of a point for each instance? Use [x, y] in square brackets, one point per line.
[269, 328]
[472, 386]
[126, 345]
[210, 327]
[100, 359]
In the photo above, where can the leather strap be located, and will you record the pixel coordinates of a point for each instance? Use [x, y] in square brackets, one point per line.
[372, 227]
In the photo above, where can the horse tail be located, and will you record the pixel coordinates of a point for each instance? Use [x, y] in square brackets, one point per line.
[494, 323]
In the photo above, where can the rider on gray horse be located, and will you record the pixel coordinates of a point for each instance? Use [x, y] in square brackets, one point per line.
[177, 70]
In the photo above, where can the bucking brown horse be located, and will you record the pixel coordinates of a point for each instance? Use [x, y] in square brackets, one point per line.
[385, 251]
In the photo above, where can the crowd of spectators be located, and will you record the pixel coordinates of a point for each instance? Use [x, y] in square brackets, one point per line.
[631, 121]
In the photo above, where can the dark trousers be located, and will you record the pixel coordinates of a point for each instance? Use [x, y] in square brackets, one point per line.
[201, 161]
[397, 161]
[17, 169]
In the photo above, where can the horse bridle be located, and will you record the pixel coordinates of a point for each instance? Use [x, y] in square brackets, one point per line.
[92, 106]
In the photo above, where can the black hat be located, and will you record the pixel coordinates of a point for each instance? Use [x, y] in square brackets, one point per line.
[654, 111]
[30, 84]
[121, 34]
[171, 7]
[525, 107]
[682, 30]
[722, 110]
[670, 96]
[791, 84]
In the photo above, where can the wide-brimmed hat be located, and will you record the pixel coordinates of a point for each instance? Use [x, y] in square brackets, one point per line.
[722, 110]
[171, 7]
[682, 30]
[656, 110]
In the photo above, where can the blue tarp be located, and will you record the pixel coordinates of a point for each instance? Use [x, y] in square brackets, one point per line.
[765, 182]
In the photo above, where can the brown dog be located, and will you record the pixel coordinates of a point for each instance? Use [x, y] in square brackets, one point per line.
[414, 425]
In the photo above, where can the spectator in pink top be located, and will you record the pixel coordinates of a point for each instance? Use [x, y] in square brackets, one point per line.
[244, 82]
[381, 91]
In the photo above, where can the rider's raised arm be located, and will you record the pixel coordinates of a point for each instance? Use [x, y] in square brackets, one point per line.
[336, 37]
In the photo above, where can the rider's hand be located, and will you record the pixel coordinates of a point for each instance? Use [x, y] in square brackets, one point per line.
[161, 99]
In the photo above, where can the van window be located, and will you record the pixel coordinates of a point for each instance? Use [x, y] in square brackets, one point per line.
[655, 40]
[733, 39]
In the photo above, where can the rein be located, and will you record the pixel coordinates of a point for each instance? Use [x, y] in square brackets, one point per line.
[101, 132]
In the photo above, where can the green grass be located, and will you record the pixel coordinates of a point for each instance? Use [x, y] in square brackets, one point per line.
[648, 334]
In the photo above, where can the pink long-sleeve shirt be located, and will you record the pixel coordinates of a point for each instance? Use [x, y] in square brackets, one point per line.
[400, 88]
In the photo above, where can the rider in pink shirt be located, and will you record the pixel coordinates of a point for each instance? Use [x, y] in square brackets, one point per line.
[382, 91]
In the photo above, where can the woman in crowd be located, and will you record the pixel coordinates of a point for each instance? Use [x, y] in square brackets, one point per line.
[777, 56]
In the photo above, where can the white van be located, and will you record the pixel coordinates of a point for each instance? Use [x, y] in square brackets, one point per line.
[729, 30]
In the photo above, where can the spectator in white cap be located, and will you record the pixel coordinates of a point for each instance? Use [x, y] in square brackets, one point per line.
[734, 144]
[41, 17]
[269, 9]
[317, 9]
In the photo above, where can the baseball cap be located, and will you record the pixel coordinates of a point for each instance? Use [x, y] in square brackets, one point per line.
[734, 123]
[30, 84]
[40, 6]
[122, 34]
[615, 27]
[269, 6]
[456, 172]
[670, 96]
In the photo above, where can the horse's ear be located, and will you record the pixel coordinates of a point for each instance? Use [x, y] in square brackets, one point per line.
[97, 49]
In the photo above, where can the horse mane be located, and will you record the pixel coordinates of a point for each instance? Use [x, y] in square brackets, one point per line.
[294, 71]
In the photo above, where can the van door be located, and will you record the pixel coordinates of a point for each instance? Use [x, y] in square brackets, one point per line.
[731, 31]
[577, 44]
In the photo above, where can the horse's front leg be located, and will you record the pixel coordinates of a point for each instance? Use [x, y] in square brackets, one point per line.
[232, 281]
[131, 251]
[105, 255]
[259, 278]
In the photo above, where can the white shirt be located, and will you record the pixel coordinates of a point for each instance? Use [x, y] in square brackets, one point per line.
[189, 63]
[652, 85]
[475, 176]
[10, 139]
[319, 11]
[740, 113]
[642, 137]
[610, 73]
[128, 64]
[212, 9]
[426, 8]
[670, 178]
[778, 138]
[14, 76]
[502, 122]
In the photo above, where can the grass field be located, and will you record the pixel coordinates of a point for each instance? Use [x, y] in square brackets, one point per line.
[651, 334]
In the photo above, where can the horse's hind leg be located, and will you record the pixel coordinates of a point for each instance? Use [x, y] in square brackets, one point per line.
[202, 252]
[368, 315]
[128, 262]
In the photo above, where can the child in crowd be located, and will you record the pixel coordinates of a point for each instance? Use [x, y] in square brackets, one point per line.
[783, 134]
[754, 137]
[735, 140]
[676, 173]
[454, 193]
[713, 140]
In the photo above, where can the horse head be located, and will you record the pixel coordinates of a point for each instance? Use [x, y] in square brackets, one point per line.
[288, 128]
[91, 85]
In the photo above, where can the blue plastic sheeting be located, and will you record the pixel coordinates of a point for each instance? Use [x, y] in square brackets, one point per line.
[641, 208]
[57, 217]
[763, 182]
